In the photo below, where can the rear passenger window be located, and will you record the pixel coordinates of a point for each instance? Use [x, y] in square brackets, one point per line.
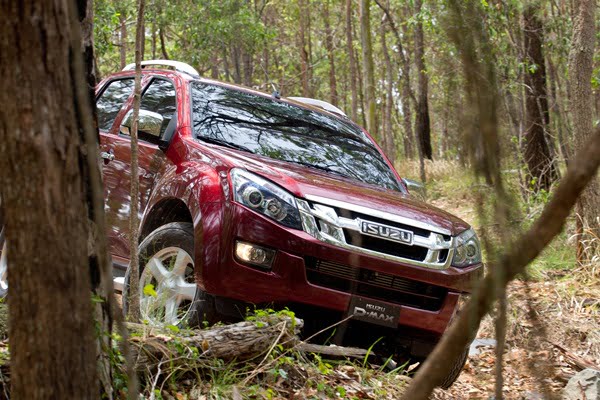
[160, 98]
[111, 100]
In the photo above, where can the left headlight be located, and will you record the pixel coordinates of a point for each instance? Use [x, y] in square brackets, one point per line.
[265, 197]
[467, 250]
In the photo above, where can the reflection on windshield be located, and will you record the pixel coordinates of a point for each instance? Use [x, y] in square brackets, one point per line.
[286, 132]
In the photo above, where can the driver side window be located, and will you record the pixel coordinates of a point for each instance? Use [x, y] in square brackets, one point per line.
[160, 98]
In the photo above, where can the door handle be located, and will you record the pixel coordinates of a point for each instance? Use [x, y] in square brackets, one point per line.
[107, 156]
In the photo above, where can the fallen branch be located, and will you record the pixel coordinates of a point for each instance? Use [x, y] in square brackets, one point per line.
[579, 362]
[336, 351]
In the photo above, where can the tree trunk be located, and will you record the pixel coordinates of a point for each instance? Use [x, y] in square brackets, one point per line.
[404, 78]
[43, 162]
[333, 96]
[581, 65]
[388, 132]
[248, 63]
[304, 55]
[368, 69]
[100, 265]
[163, 48]
[422, 124]
[123, 39]
[351, 61]
[536, 150]
[134, 221]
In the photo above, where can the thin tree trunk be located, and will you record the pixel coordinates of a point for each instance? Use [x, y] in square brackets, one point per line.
[536, 150]
[134, 221]
[123, 39]
[248, 68]
[581, 66]
[388, 132]
[235, 59]
[153, 41]
[351, 61]
[163, 47]
[43, 163]
[560, 117]
[404, 78]
[304, 55]
[333, 95]
[368, 69]
[422, 128]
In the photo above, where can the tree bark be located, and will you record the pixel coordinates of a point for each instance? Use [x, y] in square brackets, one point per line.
[42, 168]
[368, 69]
[123, 39]
[239, 341]
[536, 150]
[304, 55]
[407, 92]
[134, 221]
[423, 128]
[388, 132]
[581, 66]
[351, 61]
[333, 95]
[163, 47]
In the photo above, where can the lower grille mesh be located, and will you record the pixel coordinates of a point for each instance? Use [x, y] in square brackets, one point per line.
[376, 285]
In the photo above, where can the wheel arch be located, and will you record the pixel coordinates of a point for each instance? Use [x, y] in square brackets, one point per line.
[167, 210]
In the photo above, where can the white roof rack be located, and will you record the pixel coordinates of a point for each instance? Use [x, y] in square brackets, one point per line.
[177, 66]
[319, 103]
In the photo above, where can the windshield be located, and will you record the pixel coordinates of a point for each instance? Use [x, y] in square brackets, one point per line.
[285, 132]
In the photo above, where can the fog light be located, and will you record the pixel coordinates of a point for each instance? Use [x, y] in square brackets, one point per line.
[255, 255]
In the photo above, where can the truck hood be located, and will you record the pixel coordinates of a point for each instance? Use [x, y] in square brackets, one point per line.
[305, 182]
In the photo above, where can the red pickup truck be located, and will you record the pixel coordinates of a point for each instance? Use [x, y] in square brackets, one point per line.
[254, 199]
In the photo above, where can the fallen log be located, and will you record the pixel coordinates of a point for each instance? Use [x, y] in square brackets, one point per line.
[240, 341]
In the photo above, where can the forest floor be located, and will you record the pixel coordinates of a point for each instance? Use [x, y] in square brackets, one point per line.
[553, 330]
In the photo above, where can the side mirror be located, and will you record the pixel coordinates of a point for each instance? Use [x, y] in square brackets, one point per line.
[415, 188]
[149, 123]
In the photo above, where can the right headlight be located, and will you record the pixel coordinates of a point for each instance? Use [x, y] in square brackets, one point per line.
[265, 197]
[467, 249]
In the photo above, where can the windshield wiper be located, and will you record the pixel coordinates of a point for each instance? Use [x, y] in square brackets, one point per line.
[224, 143]
[319, 167]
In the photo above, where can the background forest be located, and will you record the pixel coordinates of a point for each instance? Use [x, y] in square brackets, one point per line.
[396, 56]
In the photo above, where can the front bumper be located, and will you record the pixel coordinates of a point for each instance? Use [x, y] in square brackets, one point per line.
[287, 282]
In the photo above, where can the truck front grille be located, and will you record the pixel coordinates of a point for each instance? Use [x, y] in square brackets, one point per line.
[376, 233]
[375, 285]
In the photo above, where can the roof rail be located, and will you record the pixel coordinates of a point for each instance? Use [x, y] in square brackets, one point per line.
[176, 65]
[319, 103]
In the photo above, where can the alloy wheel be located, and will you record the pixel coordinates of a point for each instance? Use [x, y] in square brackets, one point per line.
[167, 287]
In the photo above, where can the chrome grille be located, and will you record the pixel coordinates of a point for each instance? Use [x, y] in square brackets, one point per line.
[339, 223]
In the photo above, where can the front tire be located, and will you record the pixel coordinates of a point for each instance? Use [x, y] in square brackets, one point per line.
[457, 367]
[168, 293]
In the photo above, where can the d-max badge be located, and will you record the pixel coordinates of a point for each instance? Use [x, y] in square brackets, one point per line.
[375, 312]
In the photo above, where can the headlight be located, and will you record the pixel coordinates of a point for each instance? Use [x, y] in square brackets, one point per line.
[467, 250]
[265, 197]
